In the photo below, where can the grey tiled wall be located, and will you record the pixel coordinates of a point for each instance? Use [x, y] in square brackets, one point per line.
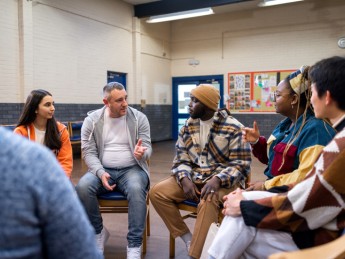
[159, 116]
[9, 112]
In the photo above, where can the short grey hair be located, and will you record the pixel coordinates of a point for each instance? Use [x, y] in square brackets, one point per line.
[110, 87]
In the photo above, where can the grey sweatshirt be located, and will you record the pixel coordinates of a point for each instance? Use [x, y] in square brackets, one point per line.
[92, 142]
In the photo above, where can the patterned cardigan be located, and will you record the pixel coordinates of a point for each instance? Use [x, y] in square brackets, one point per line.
[312, 210]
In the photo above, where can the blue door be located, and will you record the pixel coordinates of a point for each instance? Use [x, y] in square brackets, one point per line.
[181, 90]
[116, 77]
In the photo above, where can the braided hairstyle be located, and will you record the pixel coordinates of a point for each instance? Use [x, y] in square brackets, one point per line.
[299, 83]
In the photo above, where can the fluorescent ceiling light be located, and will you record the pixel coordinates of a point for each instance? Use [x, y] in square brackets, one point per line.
[276, 2]
[180, 15]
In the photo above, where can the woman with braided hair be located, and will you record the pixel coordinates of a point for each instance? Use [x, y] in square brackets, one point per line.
[294, 145]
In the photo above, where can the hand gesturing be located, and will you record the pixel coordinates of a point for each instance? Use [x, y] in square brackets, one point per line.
[251, 135]
[139, 150]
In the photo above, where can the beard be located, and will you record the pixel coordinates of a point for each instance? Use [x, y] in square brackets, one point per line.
[197, 114]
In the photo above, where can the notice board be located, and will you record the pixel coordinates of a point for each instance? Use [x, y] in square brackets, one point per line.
[253, 91]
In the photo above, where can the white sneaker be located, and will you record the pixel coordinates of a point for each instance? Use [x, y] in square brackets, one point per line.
[102, 238]
[134, 252]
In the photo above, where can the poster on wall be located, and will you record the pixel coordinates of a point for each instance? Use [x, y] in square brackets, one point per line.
[253, 91]
[263, 88]
[239, 94]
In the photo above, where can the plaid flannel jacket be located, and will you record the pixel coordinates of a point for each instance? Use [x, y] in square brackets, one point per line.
[225, 154]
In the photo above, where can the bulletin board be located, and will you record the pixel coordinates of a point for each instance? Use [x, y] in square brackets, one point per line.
[253, 91]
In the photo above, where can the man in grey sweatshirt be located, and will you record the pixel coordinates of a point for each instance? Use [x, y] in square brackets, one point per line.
[116, 145]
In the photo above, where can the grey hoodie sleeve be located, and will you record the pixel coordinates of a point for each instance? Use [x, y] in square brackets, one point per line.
[89, 148]
[145, 135]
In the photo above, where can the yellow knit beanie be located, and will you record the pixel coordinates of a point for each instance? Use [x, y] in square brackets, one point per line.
[208, 95]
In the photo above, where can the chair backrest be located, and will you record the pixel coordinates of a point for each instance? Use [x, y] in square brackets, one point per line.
[74, 129]
[10, 127]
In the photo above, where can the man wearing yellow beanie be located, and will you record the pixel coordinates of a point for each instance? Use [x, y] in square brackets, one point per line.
[211, 160]
[207, 95]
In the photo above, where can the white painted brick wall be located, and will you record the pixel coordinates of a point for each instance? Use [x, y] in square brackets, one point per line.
[9, 51]
[156, 63]
[281, 37]
[75, 42]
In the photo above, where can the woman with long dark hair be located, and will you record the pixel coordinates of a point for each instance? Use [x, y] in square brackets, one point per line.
[38, 124]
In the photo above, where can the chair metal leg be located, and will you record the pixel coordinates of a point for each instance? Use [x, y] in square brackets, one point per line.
[148, 231]
[147, 228]
[171, 247]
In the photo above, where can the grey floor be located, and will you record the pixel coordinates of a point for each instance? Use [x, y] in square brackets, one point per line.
[158, 241]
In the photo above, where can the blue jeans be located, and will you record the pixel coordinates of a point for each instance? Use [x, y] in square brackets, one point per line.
[133, 182]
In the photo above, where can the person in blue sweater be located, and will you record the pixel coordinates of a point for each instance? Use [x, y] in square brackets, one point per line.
[40, 216]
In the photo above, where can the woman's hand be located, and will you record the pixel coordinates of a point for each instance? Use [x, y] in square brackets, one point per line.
[251, 135]
[232, 203]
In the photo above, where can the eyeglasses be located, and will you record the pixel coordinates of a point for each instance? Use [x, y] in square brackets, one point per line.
[276, 95]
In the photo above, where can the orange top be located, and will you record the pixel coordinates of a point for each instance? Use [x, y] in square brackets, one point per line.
[65, 155]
